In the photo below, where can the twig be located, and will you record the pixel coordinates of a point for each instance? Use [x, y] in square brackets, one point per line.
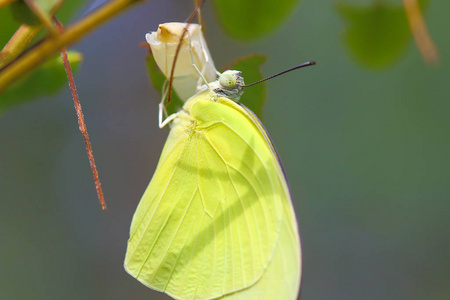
[52, 45]
[81, 123]
[17, 43]
[419, 30]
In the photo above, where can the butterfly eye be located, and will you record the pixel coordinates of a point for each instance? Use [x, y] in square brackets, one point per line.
[227, 80]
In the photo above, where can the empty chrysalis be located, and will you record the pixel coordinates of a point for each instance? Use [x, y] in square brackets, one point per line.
[193, 52]
[216, 221]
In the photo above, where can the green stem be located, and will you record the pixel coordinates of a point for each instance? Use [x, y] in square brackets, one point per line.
[21, 38]
[53, 44]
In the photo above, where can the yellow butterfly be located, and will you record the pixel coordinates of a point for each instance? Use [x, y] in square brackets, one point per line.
[217, 221]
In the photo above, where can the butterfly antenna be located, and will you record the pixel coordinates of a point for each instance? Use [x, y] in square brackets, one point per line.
[185, 30]
[306, 64]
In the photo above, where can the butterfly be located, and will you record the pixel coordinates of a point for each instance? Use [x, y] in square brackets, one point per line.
[217, 221]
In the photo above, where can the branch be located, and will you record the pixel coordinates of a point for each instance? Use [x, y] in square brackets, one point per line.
[18, 42]
[419, 30]
[53, 44]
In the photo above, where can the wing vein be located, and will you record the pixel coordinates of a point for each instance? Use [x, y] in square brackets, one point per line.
[192, 253]
[263, 208]
[154, 211]
[248, 227]
[174, 236]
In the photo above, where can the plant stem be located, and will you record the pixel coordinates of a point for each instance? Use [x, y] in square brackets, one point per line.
[81, 123]
[53, 44]
[419, 30]
[17, 43]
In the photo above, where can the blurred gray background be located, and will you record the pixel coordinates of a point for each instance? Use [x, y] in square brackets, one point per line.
[366, 153]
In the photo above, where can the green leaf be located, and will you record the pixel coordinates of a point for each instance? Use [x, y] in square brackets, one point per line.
[22, 13]
[376, 35]
[46, 80]
[245, 20]
[255, 96]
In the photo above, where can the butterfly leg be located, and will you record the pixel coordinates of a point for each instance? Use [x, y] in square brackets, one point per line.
[162, 112]
[193, 63]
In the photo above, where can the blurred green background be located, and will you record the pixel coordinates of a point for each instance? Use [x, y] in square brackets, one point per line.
[366, 153]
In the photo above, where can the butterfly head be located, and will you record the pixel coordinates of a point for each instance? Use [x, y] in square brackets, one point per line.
[230, 84]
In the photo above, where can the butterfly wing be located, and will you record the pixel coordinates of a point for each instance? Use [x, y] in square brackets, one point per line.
[212, 219]
[281, 280]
